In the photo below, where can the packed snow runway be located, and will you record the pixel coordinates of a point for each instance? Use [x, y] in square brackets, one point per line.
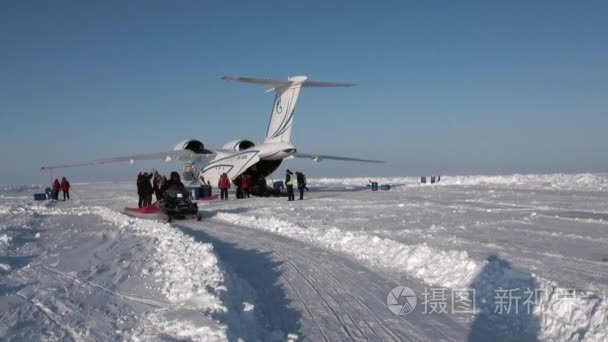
[488, 258]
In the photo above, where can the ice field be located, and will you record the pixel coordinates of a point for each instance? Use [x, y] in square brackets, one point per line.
[531, 252]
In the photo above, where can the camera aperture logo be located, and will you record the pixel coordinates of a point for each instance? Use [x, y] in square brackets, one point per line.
[401, 300]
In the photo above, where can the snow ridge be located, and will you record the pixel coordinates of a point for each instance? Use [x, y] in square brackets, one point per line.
[558, 181]
[419, 260]
[191, 280]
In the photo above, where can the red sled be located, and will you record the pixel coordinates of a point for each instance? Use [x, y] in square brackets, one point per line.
[151, 209]
[209, 198]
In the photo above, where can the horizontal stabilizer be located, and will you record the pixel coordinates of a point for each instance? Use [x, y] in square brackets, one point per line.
[296, 80]
[319, 157]
[260, 81]
[310, 84]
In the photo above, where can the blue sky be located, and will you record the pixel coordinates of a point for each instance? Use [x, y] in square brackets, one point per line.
[445, 87]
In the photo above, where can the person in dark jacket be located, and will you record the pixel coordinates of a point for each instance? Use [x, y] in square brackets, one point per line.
[245, 186]
[56, 187]
[224, 185]
[157, 183]
[65, 188]
[146, 189]
[174, 183]
[301, 183]
[140, 194]
[290, 181]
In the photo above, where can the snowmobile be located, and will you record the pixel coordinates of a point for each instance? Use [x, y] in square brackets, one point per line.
[176, 203]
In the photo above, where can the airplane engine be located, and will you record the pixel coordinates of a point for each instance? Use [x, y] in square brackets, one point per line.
[238, 145]
[190, 171]
[191, 145]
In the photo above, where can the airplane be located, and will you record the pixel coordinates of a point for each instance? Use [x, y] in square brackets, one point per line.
[242, 157]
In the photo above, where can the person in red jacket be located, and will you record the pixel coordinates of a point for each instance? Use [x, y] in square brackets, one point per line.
[56, 188]
[65, 187]
[224, 185]
[245, 186]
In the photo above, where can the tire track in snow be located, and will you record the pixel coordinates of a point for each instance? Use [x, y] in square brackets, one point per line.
[435, 325]
[324, 299]
[336, 290]
[295, 290]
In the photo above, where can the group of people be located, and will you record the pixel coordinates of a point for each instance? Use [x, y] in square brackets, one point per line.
[290, 180]
[155, 183]
[242, 186]
[64, 186]
[145, 189]
[159, 184]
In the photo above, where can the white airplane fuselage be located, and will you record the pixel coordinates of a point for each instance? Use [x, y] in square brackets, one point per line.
[269, 155]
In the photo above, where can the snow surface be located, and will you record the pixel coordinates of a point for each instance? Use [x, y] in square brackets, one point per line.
[318, 269]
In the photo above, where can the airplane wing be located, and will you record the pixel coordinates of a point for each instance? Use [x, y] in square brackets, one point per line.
[319, 157]
[166, 156]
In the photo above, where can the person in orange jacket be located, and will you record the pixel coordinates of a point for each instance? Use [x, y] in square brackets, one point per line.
[65, 188]
[224, 185]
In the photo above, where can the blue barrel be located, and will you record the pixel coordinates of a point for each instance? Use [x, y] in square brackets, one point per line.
[40, 197]
[278, 185]
[374, 186]
[206, 190]
[385, 187]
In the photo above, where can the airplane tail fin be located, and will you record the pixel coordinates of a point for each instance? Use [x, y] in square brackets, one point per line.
[286, 96]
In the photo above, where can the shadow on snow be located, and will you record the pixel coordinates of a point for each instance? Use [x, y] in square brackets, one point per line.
[504, 315]
[252, 277]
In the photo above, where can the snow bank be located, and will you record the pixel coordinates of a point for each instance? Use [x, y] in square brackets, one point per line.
[434, 266]
[186, 271]
[559, 181]
[190, 277]
[186, 267]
